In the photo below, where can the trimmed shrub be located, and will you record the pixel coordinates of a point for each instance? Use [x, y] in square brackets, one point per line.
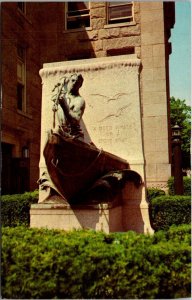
[15, 208]
[168, 210]
[153, 193]
[186, 186]
[52, 264]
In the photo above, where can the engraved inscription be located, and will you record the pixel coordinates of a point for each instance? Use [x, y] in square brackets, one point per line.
[109, 135]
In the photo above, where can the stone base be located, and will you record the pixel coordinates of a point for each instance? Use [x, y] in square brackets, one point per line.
[63, 216]
[104, 217]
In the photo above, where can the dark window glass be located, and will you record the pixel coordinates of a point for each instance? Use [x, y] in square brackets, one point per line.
[78, 22]
[6, 169]
[78, 15]
[123, 51]
[78, 8]
[21, 53]
[119, 12]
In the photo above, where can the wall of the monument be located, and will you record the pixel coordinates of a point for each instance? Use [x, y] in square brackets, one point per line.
[112, 118]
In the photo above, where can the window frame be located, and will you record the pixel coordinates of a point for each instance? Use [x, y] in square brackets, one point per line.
[21, 78]
[78, 15]
[120, 20]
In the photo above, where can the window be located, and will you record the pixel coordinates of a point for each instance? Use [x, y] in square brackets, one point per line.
[21, 75]
[77, 15]
[81, 54]
[21, 6]
[122, 51]
[119, 12]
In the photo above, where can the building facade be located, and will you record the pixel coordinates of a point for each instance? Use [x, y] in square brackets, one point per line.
[34, 33]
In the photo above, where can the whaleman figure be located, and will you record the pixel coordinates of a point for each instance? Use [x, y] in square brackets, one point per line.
[68, 107]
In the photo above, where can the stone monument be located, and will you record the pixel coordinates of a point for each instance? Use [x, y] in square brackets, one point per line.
[92, 172]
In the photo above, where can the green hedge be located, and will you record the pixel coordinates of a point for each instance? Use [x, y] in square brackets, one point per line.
[186, 186]
[164, 212]
[50, 264]
[15, 208]
[168, 210]
[153, 193]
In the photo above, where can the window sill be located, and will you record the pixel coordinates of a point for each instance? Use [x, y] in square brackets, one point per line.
[123, 24]
[77, 30]
[24, 114]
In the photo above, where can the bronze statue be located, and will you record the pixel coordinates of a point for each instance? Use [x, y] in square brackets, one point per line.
[68, 106]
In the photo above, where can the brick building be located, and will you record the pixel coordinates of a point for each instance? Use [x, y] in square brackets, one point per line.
[34, 33]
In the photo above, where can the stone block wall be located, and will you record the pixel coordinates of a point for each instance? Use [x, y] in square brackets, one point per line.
[154, 93]
[100, 39]
[21, 128]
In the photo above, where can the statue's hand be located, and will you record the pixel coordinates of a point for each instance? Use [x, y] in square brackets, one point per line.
[62, 101]
[64, 106]
[55, 107]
